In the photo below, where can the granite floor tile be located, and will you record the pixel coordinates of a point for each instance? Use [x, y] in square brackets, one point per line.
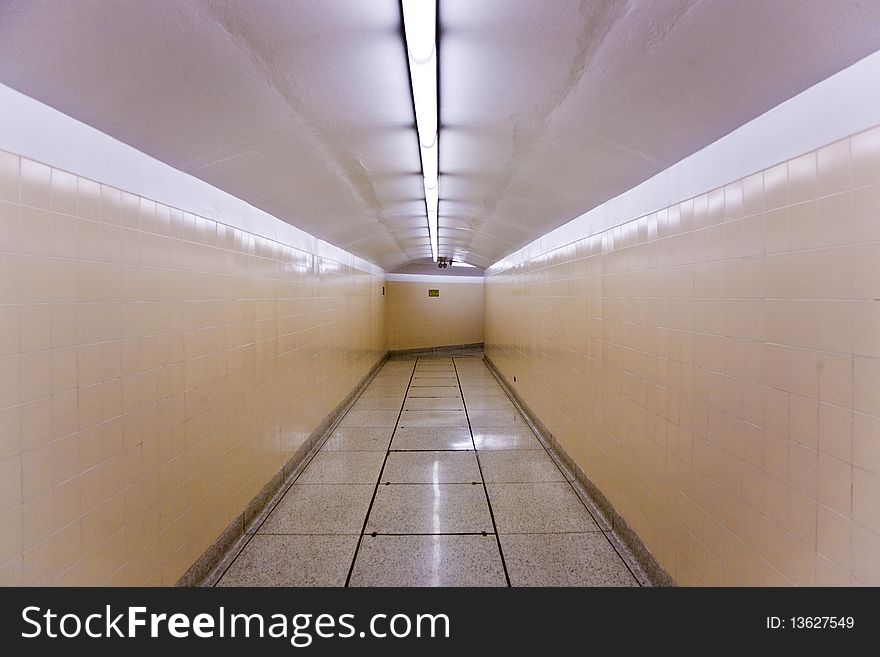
[482, 390]
[378, 403]
[431, 467]
[475, 378]
[433, 383]
[432, 438]
[493, 403]
[337, 467]
[434, 391]
[540, 508]
[398, 376]
[563, 560]
[429, 509]
[433, 419]
[433, 404]
[438, 560]
[383, 391]
[506, 438]
[320, 509]
[508, 418]
[359, 439]
[369, 419]
[518, 466]
[393, 378]
[292, 561]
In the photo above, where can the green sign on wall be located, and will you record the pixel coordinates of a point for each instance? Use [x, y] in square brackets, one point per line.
[433, 293]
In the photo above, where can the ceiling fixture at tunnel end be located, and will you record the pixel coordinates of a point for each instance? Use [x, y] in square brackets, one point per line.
[420, 29]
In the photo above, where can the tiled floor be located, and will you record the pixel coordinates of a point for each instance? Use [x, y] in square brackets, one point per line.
[431, 479]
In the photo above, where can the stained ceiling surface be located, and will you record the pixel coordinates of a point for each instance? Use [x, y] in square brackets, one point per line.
[547, 108]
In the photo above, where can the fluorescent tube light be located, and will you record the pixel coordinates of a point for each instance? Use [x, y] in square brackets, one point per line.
[456, 263]
[431, 198]
[424, 83]
[432, 229]
[429, 164]
[420, 25]
[420, 28]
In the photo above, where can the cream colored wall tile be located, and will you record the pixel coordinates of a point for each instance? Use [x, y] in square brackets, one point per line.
[803, 464]
[865, 493]
[835, 484]
[35, 184]
[88, 199]
[808, 223]
[715, 207]
[865, 153]
[866, 385]
[776, 375]
[866, 442]
[36, 327]
[865, 556]
[10, 432]
[10, 321]
[776, 186]
[777, 233]
[802, 178]
[864, 264]
[10, 227]
[117, 305]
[415, 320]
[63, 192]
[833, 537]
[836, 379]
[10, 482]
[10, 541]
[10, 177]
[864, 225]
[37, 238]
[833, 168]
[35, 378]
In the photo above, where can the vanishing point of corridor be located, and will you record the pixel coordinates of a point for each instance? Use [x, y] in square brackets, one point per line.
[433, 478]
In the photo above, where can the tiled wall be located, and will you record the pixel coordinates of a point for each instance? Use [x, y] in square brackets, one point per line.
[415, 320]
[156, 370]
[714, 368]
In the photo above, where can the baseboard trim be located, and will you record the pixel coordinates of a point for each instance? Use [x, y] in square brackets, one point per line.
[214, 561]
[632, 550]
[450, 350]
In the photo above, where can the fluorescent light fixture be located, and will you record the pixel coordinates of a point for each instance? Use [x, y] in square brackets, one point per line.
[431, 198]
[420, 25]
[429, 164]
[420, 28]
[424, 83]
[455, 263]
[432, 229]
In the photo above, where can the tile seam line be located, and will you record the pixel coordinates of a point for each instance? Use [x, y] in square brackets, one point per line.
[379, 476]
[570, 484]
[482, 478]
[299, 470]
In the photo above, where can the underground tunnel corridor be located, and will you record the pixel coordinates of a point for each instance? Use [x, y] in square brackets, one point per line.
[382, 293]
[433, 478]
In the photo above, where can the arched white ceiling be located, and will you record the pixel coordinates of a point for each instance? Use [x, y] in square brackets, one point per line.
[547, 108]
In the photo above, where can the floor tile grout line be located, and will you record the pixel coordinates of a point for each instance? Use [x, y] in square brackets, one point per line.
[379, 478]
[475, 533]
[458, 483]
[301, 468]
[482, 479]
[569, 482]
[287, 488]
